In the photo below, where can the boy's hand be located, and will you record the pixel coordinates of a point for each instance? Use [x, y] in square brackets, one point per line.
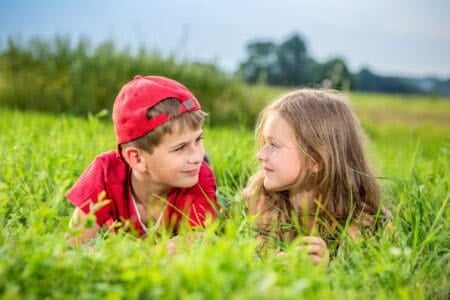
[172, 246]
[317, 249]
[79, 224]
[178, 241]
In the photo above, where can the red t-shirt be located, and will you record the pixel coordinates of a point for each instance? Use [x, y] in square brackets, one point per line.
[108, 178]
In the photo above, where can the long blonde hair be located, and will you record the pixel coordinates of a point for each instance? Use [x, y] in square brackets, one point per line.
[328, 134]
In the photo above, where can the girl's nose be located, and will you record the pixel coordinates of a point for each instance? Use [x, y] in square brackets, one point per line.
[261, 155]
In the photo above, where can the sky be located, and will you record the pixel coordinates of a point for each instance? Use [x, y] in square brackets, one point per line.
[402, 37]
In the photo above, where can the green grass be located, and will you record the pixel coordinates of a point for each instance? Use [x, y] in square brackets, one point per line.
[42, 155]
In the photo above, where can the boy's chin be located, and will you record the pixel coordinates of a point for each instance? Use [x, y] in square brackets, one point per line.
[187, 183]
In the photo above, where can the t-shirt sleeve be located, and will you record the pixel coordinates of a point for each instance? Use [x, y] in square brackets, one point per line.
[203, 196]
[89, 192]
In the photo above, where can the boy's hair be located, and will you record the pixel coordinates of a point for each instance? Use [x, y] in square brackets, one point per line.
[328, 134]
[135, 113]
[191, 120]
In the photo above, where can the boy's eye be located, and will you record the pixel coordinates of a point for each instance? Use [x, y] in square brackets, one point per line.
[179, 148]
[199, 138]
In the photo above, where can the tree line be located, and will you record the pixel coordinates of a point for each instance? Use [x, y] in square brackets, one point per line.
[289, 64]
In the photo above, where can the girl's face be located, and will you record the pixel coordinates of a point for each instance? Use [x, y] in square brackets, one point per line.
[280, 157]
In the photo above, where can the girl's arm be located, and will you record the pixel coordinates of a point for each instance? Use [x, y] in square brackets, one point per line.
[79, 233]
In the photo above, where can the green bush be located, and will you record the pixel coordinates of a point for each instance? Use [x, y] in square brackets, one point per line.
[58, 76]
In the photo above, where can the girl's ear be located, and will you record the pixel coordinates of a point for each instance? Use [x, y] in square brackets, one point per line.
[316, 166]
[133, 157]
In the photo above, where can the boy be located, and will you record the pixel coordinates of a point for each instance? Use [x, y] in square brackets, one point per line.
[157, 175]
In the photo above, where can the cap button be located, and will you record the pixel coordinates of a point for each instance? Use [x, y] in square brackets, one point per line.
[137, 77]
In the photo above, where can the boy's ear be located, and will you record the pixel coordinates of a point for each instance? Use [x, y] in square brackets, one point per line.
[133, 157]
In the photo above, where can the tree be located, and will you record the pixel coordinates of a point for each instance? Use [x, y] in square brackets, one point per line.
[292, 60]
[367, 81]
[260, 63]
[289, 64]
[334, 74]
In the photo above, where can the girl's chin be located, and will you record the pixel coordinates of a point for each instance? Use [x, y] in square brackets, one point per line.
[273, 187]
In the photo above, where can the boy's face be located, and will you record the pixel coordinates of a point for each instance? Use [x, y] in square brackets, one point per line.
[176, 161]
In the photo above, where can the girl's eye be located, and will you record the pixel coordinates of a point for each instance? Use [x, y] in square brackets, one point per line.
[273, 145]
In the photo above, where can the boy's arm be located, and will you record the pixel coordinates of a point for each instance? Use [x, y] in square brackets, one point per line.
[79, 232]
[88, 194]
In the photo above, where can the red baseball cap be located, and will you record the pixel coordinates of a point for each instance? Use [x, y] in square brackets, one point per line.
[138, 96]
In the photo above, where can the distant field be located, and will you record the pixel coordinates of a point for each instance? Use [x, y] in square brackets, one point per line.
[412, 111]
[42, 155]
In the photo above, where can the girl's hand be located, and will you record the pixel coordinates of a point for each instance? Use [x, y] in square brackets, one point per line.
[317, 249]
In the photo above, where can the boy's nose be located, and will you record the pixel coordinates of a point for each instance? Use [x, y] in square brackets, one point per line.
[197, 155]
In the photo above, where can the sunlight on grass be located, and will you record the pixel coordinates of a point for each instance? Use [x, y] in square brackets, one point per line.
[42, 155]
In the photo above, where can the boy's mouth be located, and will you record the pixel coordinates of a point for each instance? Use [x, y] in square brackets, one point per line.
[191, 172]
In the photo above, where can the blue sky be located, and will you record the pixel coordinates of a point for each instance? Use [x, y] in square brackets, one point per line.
[390, 37]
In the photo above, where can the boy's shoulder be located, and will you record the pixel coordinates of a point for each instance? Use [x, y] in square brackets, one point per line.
[109, 155]
[110, 161]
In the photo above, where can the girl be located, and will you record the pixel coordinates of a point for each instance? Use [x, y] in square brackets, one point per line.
[314, 175]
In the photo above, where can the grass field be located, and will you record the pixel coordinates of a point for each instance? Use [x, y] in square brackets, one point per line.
[42, 155]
